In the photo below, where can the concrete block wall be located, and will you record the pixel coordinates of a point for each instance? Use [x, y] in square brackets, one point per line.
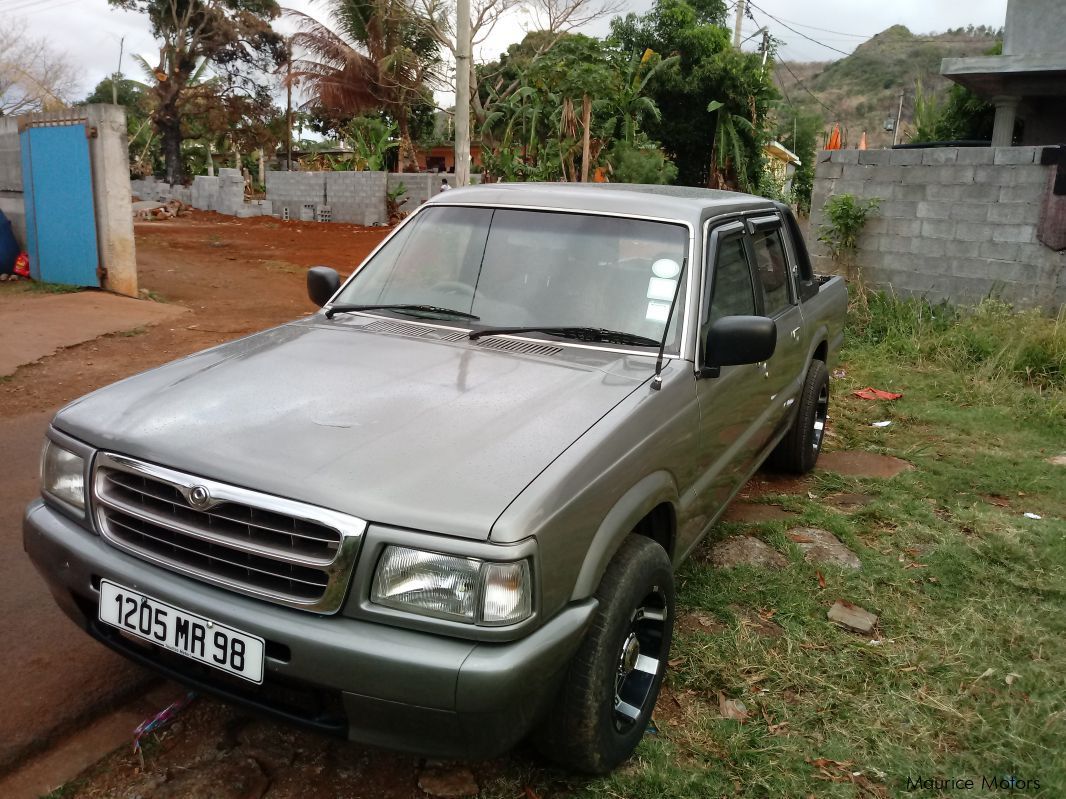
[11, 199]
[356, 197]
[955, 224]
[230, 197]
[420, 187]
[292, 190]
[205, 193]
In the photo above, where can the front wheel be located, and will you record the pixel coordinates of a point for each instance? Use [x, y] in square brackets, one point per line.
[611, 685]
[798, 450]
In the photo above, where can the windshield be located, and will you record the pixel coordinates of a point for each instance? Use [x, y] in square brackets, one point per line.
[514, 268]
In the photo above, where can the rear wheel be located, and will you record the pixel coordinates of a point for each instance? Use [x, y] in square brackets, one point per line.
[611, 685]
[798, 450]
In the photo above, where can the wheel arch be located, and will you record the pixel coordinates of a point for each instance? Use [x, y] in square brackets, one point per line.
[649, 509]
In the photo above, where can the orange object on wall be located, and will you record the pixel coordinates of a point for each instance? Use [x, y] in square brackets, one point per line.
[834, 138]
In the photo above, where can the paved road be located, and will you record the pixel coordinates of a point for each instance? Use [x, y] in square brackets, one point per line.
[54, 676]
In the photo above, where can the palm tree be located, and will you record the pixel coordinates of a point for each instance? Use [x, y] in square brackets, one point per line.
[375, 55]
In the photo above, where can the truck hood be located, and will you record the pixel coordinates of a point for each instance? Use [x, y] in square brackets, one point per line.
[413, 432]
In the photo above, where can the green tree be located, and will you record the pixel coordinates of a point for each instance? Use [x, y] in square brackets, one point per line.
[708, 69]
[234, 35]
[136, 98]
[800, 131]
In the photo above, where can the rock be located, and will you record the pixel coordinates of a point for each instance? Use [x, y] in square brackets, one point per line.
[852, 617]
[228, 778]
[862, 464]
[821, 546]
[448, 782]
[756, 512]
[1058, 460]
[746, 550]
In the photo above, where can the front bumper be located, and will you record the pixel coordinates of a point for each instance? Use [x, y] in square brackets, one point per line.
[372, 683]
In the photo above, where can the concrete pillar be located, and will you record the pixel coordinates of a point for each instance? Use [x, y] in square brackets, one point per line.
[110, 158]
[1003, 127]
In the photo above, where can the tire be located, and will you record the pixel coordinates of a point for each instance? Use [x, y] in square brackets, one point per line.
[798, 451]
[591, 727]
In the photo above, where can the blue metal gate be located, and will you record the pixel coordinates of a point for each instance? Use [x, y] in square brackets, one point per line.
[58, 189]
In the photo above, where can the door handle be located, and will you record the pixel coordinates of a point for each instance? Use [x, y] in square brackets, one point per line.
[796, 333]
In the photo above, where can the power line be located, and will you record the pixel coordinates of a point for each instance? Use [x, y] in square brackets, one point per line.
[806, 89]
[826, 30]
[798, 33]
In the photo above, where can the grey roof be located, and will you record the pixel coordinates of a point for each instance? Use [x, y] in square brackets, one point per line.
[664, 202]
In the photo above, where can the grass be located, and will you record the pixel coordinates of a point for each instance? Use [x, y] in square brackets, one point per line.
[968, 680]
[36, 287]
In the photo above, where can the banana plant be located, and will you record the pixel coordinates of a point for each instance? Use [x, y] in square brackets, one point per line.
[631, 102]
[727, 148]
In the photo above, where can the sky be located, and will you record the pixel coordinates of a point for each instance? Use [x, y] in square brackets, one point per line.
[90, 32]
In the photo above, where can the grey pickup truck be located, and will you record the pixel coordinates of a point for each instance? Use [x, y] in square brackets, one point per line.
[443, 513]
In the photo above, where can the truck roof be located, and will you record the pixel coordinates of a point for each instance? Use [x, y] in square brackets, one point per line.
[684, 203]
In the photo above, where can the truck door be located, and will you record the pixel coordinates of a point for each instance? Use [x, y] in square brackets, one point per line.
[784, 372]
[732, 403]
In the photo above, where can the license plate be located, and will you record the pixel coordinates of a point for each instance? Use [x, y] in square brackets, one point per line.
[179, 631]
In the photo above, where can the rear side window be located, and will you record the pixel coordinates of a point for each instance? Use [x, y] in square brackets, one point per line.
[733, 291]
[772, 266]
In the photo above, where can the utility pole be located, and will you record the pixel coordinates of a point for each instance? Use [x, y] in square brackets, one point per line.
[738, 24]
[462, 92]
[114, 80]
[288, 109]
[899, 116]
[765, 45]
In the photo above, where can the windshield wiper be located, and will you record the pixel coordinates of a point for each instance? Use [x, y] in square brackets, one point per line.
[404, 307]
[591, 334]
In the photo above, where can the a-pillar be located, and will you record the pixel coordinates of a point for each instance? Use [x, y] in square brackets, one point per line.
[1003, 128]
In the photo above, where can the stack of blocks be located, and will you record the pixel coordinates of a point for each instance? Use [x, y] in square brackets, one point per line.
[205, 193]
[230, 191]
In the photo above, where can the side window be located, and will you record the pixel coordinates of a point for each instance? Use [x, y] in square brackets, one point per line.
[733, 291]
[772, 266]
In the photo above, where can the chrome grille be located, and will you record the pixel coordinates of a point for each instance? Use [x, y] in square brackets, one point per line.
[265, 546]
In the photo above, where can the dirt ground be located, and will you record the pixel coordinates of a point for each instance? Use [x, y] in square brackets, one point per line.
[235, 277]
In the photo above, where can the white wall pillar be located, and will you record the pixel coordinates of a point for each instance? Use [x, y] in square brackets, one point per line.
[110, 159]
[1003, 128]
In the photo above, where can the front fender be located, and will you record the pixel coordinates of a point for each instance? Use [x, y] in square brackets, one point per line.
[654, 489]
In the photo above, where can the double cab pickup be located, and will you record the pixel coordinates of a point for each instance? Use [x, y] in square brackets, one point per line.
[443, 513]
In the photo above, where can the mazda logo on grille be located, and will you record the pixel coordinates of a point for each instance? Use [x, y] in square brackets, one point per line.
[199, 496]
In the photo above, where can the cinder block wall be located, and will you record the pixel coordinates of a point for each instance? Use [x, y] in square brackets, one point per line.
[954, 224]
[293, 190]
[11, 200]
[355, 197]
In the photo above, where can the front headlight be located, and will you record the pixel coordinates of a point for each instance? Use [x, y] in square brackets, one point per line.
[63, 474]
[449, 587]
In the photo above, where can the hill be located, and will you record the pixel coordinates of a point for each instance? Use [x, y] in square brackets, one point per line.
[861, 91]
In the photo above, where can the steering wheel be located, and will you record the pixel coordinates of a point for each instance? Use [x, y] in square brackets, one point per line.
[454, 287]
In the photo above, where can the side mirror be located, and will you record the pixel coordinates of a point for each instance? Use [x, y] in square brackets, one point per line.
[735, 340]
[322, 283]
